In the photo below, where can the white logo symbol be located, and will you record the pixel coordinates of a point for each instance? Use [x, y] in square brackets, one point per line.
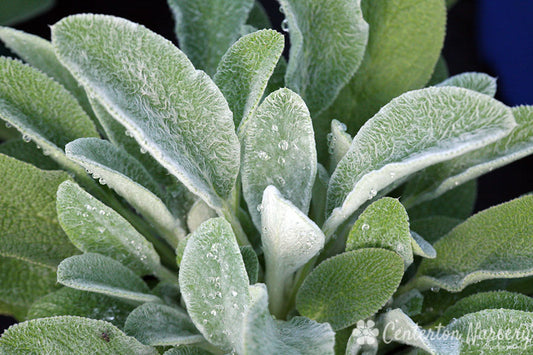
[366, 333]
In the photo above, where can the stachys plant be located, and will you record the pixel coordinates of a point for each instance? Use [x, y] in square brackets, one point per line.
[218, 198]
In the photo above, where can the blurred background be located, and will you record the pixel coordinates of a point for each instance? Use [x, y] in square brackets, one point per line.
[491, 36]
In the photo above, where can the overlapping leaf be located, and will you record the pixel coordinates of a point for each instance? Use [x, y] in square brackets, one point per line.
[416, 130]
[175, 113]
[279, 150]
[328, 41]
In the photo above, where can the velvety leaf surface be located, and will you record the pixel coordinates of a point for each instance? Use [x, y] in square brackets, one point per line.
[480, 82]
[187, 350]
[404, 43]
[442, 177]
[23, 283]
[383, 224]
[67, 335]
[28, 153]
[95, 228]
[40, 54]
[250, 262]
[289, 239]
[198, 214]
[264, 335]
[514, 327]
[337, 291]
[339, 143]
[416, 130]
[328, 40]
[101, 274]
[176, 113]
[70, 302]
[51, 120]
[207, 28]
[495, 243]
[279, 149]
[243, 73]
[29, 230]
[124, 174]
[486, 300]
[214, 283]
[157, 324]
[396, 324]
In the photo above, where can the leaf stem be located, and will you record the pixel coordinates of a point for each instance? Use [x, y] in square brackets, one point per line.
[227, 212]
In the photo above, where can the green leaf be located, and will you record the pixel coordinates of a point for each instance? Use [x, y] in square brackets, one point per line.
[70, 302]
[318, 198]
[207, 28]
[279, 149]
[328, 41]
[124, 174]
[29, 230]
[179, 115]
[398, 327]
[156, 324]
[362, 339]
[187, 350]
[23, 283]
[70, 335]
[20, 10]
[41, 109]
[339, 143]
[457, 203]
[486, 300]
[95, 228]
[350, 286]
[495, 243]
[251, 262]
[258, 16]
[422, 247]
[101, 274]
[480, 82]
[289, 239]
[198, 214]
[440, 72]
[264, 335]
[494, 331]
[243, 72]
[433, 228]
[404, 44]
[416, 130]
[383, 224]
[438, 179]
[214, 283]
[28, 153]
[40, 54]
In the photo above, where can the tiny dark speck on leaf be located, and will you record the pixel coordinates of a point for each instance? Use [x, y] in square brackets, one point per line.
[105, 336]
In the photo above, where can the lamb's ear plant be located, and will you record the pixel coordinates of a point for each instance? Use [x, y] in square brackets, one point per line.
[220, 198]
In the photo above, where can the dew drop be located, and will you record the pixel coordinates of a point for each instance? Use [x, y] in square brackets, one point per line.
[143, 150]
[392, 175]
[128, 133]
[213, 312]
[365, 227]
[259, 208]
[101, 229]
[275, 128]
[285, 25]
[204, 321]
[435, 289]
[281, 161]
[280, 181]
[263, 155]
[281, 10]
[102, 181]
[283, 145]
[372, 194]
[102, 212]
[234, 293]
[8, 125]
[26, 138]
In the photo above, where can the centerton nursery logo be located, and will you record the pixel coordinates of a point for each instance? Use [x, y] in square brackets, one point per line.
[470, 335]
[366, 332]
